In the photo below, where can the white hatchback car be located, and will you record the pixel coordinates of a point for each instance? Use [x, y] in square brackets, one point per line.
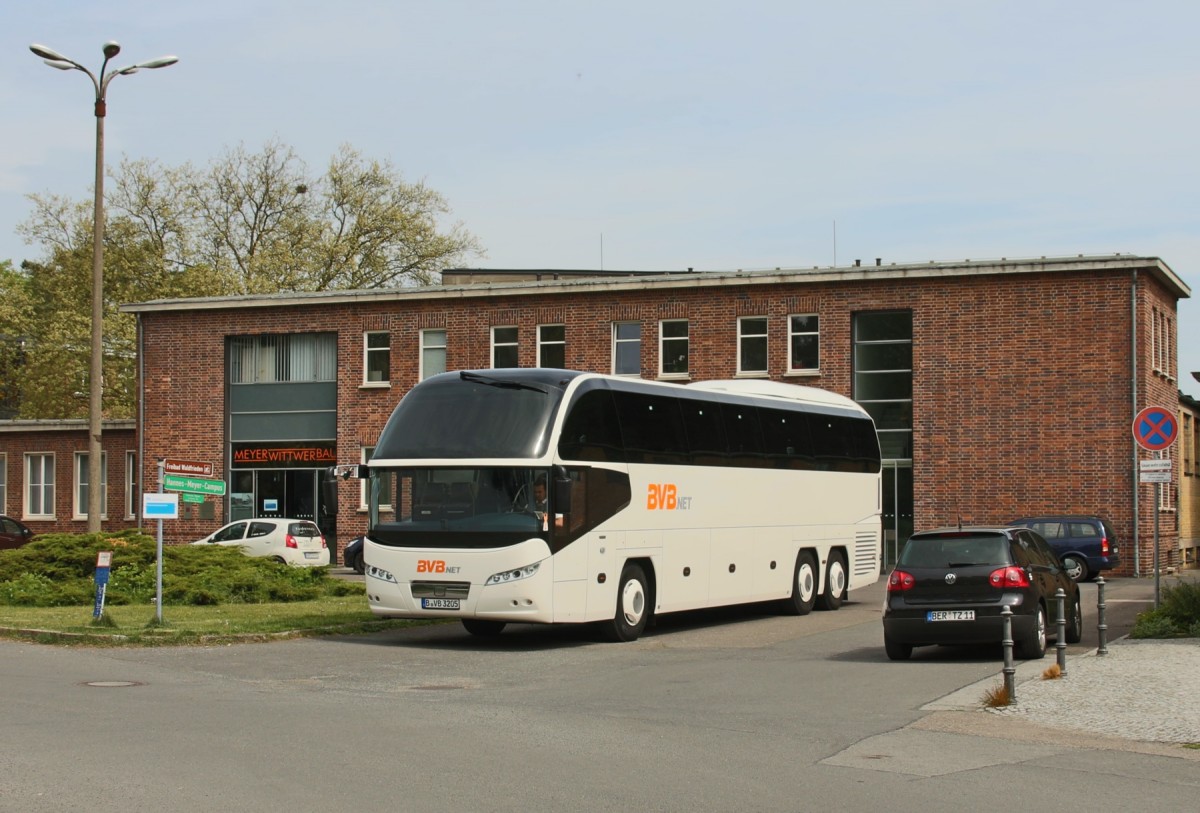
[291, 541]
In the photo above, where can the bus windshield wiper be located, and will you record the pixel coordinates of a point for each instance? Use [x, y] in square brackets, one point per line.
[498, 382]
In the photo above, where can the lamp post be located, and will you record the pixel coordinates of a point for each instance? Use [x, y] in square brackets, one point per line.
[96, 374]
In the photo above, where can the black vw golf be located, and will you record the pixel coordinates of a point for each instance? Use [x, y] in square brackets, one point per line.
[950, 585]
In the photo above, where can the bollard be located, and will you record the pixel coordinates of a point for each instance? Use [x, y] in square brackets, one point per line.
[1061, 645]
[1010, 671]
[1101, 626]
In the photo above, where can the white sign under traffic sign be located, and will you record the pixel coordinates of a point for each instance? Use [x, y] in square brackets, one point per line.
[1154, 471]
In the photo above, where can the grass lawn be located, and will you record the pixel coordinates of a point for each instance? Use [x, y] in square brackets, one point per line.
[137, 625]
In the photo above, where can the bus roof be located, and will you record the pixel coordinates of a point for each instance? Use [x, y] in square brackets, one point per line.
[776, 389]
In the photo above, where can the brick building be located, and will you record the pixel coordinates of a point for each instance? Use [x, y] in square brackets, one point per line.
[44, 472]
[999, 388]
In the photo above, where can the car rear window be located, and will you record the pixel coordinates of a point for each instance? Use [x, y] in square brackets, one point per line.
[955, 551]
[303, 529]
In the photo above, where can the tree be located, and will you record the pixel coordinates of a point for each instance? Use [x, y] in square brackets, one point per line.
[261, 224]
[248, 223]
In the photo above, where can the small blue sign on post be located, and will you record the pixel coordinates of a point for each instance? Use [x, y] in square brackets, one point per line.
[160, 506]
[103, 565]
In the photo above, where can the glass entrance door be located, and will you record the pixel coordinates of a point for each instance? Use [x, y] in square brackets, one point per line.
[274, 493]
[897, 509]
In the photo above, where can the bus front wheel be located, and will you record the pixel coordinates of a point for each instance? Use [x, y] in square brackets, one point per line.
[804, 585]
[632, 606]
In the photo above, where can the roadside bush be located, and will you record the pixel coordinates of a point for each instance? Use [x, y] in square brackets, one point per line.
[59, 570]
[1154, 624]
[1177, 614]
[1181, 603]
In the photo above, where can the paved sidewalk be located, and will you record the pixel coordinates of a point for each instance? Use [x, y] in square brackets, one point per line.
[1146, 690]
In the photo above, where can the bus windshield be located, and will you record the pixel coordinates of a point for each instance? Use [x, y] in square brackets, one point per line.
[475, 415]
[484, 507]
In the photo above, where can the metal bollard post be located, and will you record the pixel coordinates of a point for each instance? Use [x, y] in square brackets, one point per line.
[1010, 671]
[1061, 645]
[1101, 626]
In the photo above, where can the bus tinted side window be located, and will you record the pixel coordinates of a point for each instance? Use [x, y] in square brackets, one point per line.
[744, 435]
[652, 427]
[591, 430]
[785, 438]
[705, 432]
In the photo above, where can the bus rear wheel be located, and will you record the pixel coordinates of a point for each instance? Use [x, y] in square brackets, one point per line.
[835, 583]
[482, 627]
[804, 585]
[632, 606]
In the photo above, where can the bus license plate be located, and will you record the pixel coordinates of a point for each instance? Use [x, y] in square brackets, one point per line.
[950, 615]
[439, 603]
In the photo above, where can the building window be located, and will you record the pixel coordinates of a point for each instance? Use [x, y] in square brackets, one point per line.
[39, 486]
[433, 353]
[504, 347]
[883, 381]
[81, 485]
[283, 358]
[382, 481]
[627, 348]
[377, 357]
[1162, 345]
[1166, 491]
[132, 503]
[3, 483]
[552, 346]
[804, 343]
[673, 348]
[752, 345]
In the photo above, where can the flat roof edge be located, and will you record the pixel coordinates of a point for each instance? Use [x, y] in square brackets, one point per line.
[694, 279]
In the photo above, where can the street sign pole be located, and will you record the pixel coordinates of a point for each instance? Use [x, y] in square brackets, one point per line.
[158, 551]
[1158, 505]
[1155, 429]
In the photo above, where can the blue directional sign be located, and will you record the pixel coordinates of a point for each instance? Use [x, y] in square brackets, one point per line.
[160, 506]
[1155, 428]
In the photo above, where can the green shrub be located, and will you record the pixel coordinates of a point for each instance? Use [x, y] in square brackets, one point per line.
[1155, 624]
[1181, 603]
[59, 570]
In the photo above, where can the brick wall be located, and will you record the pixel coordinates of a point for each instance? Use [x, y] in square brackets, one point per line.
[23, 437]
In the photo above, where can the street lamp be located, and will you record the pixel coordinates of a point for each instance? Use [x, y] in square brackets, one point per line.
[96, 376]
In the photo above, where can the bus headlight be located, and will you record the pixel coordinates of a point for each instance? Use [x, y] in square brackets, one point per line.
[380, 573]
[506, 576]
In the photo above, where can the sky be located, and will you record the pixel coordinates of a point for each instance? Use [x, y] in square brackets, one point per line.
[663, 134]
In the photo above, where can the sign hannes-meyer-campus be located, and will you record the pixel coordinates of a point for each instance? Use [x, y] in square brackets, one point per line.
[194, 485]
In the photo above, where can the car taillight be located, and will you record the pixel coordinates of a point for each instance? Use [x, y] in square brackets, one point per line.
[1009, 577]
[1104, 545]
[290, 541]
[322, 541]
[900, 581]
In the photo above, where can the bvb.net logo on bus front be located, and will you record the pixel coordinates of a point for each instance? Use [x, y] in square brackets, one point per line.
[665, 497]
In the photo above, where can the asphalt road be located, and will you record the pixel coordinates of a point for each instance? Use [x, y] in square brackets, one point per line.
[730, 710]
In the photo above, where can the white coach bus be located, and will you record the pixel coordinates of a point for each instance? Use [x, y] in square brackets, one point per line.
[553, 496]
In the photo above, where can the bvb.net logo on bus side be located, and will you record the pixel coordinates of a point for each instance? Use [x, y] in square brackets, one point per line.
[665, 497]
